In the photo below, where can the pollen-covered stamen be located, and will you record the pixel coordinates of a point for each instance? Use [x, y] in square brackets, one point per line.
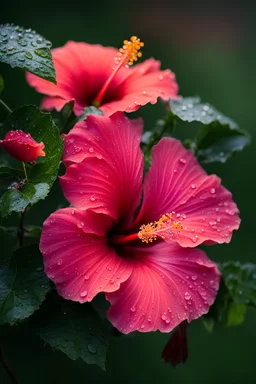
[152, 231]
[129, 52]
[127, 55]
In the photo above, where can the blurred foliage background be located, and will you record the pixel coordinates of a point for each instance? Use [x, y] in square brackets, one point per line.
[211, 48]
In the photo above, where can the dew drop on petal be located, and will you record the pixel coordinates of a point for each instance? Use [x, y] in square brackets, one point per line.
[60, 261]
[187, 296]
[83, 294]
[212, 191]
[133, 309]
[182, 160]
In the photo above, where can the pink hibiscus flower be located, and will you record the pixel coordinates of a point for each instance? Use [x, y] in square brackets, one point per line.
[139, 253]
[100, 76]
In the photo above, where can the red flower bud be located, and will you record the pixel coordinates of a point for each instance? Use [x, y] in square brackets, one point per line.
[22, 146]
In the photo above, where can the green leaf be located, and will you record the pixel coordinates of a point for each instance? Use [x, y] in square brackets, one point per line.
[1, 84]
[216, 317]
[25, 49]
[75, 329]
[235, 314]
[41, 175]
[23, 285]
[17, 200]
[219, 138]
[90, 111]
[7, 241]
[240, 280]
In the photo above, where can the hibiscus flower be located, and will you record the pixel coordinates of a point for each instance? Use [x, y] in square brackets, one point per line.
[100, 76]
[135, 241]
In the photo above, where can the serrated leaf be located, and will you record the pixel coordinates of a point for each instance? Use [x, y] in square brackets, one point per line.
[23, 285]
[27, 50]
[16, 200]
[1, 84]
[240, 280]
[75, 329]
[90, 111]
[220, 136]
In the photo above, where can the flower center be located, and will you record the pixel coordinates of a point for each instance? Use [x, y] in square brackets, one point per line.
[127, 55]
[150, 232]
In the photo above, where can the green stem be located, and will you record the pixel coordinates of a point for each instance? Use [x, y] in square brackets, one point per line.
[6, 367]
[24, 169]
[5, 106]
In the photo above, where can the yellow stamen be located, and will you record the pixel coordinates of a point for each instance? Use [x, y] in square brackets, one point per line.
[127, 55]
[130, 51]
[151, 231]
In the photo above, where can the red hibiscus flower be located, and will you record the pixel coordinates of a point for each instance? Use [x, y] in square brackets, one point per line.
[100, 76]
[22, 146]
[135, 242]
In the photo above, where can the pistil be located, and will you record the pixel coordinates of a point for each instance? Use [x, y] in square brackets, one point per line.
[127, 55]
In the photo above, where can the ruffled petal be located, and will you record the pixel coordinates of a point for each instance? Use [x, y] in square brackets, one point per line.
[109, 178]
[176, 183]
[77, 257]
[168, 285]
[144, 85]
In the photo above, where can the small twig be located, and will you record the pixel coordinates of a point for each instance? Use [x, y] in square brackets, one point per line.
[5, 106]
[6, 367]
[21, 229]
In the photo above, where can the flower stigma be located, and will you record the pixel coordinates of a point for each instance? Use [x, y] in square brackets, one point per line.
[150, 232]
[127, 55]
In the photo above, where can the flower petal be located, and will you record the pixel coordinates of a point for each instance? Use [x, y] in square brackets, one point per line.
[112, 138]
[177, 183]
[77, 257]
[109, 179]
[144, 85]
[168, 285]
[81, 70]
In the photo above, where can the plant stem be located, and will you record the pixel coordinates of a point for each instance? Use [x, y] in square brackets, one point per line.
[5, 106]
[6, 367]
[21, 228]
[24, 169]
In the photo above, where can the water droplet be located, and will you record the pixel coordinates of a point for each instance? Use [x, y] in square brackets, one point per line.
[193, 186]
[60, 261]
[182, 160]
[164, 317]
[187, 296]
[150, 319]
[92, 348]
[83, 294]
[133, 309]
[28, 55]
[212, 191]
[91, 150]
[142, 326]
[160, 77]
[86, 277]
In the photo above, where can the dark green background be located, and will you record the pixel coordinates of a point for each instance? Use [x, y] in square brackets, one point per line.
[211, 48]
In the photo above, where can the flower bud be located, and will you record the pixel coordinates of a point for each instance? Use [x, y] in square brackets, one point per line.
[22, 146]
